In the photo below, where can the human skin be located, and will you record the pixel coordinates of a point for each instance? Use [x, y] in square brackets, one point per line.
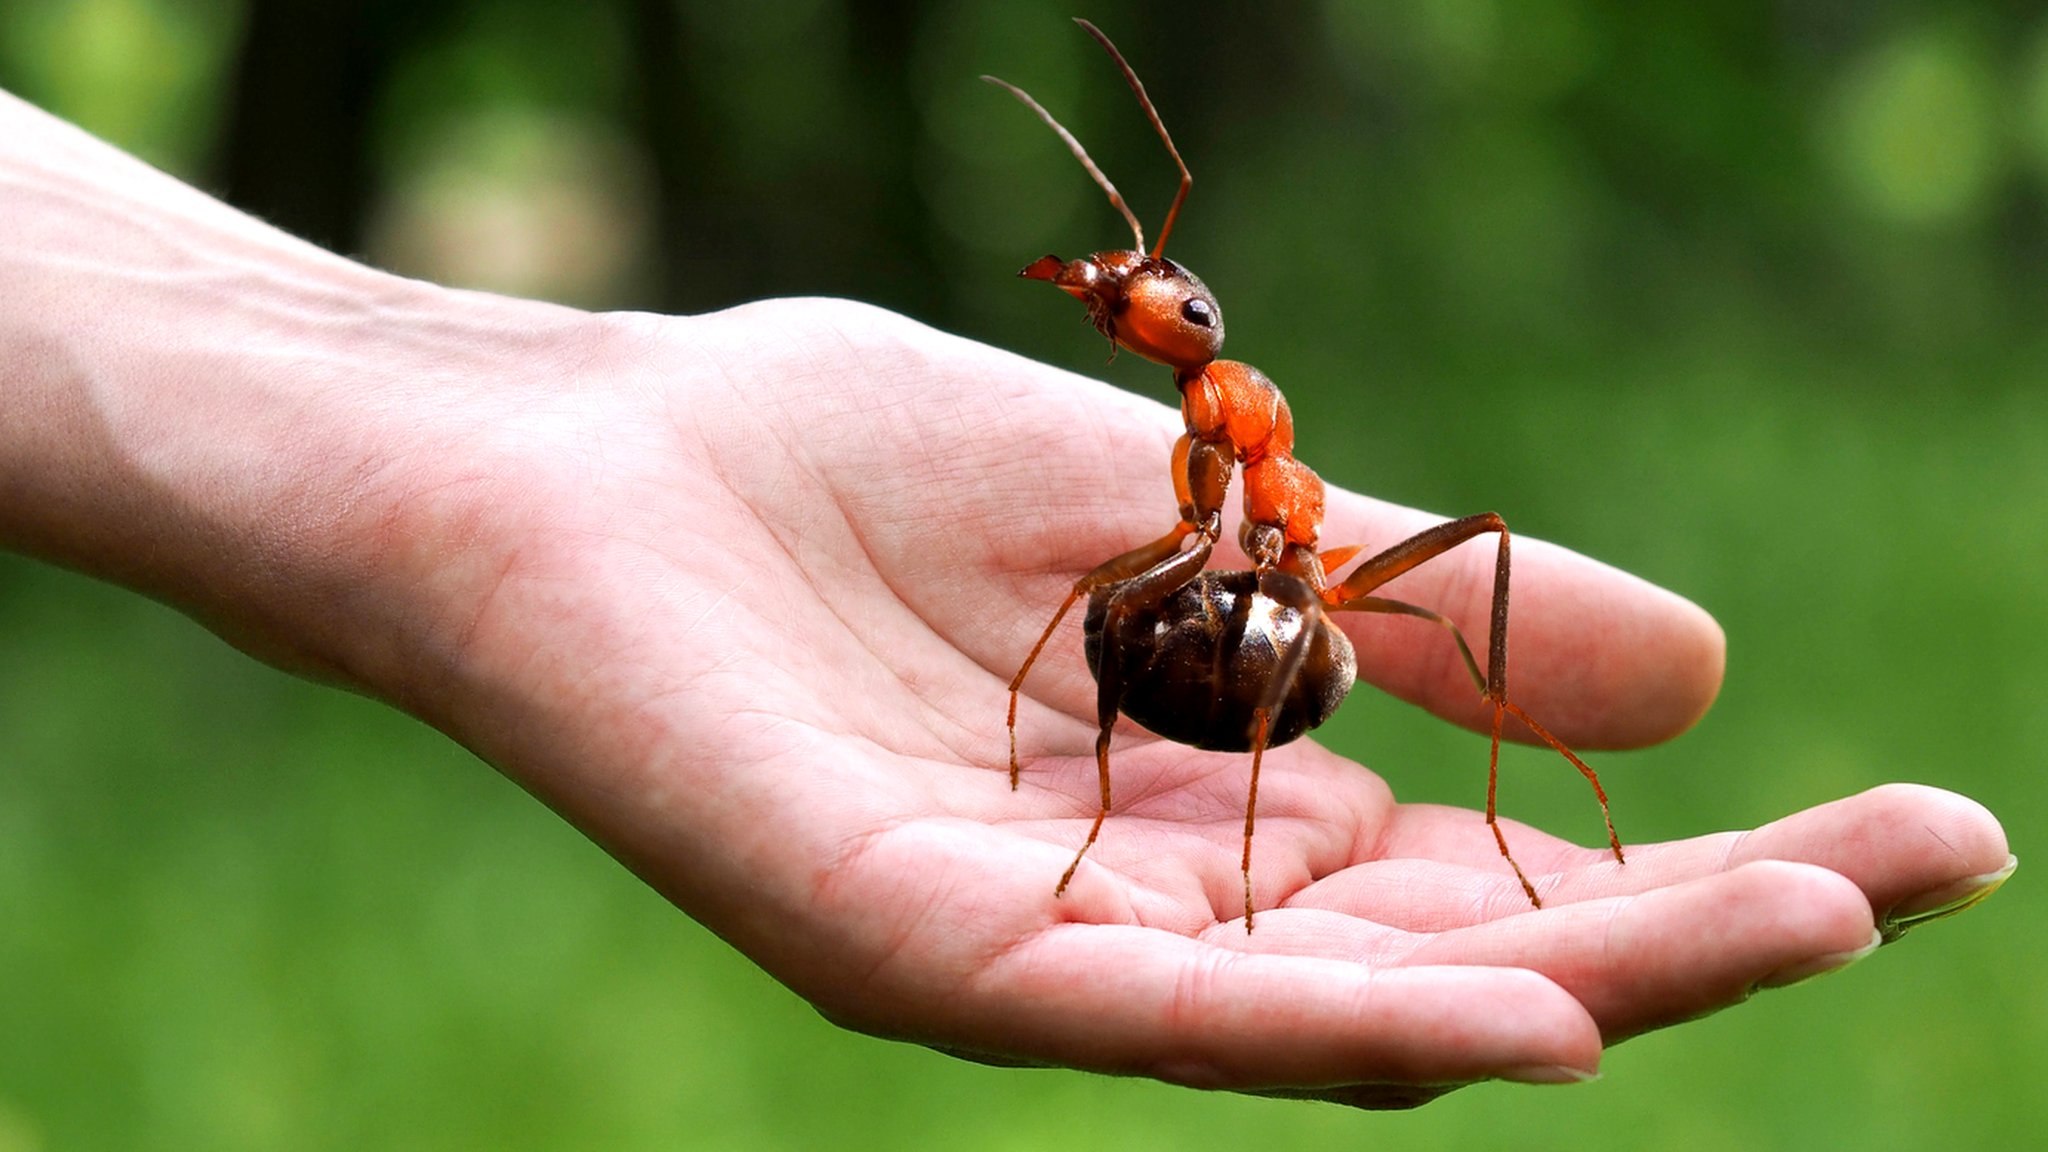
[739, 595]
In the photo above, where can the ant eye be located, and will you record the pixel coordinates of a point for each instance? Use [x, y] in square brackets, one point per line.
[1196, 311]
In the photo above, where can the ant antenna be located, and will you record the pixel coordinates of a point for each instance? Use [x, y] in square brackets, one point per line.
[1187, 179]
[1080, 154]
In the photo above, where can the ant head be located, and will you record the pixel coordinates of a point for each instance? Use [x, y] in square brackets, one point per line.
[1169, 316]
[1148, 304]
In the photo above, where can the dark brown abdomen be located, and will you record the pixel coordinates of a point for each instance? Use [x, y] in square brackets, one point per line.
[1198, 666]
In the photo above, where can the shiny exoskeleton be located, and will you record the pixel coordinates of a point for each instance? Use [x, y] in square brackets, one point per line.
[1180, 667]
[1234, 660]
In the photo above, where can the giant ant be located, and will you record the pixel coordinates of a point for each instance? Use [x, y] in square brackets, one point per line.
[1235, 661]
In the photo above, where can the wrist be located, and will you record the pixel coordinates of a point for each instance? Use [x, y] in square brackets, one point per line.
[366, 505]
[270, 437]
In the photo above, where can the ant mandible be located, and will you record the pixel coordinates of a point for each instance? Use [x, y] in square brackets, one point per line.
[1235, 661]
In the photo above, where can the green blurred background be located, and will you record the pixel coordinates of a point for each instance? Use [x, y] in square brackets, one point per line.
[1745, 297]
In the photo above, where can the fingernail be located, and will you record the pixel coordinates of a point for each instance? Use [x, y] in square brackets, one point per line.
[1549, 1074]
[1944, 901]
[1820, 965]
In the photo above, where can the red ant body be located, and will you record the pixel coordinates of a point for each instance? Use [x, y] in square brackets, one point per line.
[1234, 660]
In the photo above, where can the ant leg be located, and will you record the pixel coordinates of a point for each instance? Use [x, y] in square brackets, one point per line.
[1141, 591]
[1599, 793]
[1201, 476]
[1264, 724]
[1124, 567]
[1276, 696]
[1493, 821]
[1351, 595]
[1403, 608]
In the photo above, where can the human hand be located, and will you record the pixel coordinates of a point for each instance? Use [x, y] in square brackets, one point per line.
[740, 596]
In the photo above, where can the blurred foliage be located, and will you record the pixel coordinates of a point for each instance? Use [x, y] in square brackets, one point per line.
[1744, 297]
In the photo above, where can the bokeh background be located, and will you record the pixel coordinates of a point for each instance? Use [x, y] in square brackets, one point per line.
[1745, 297]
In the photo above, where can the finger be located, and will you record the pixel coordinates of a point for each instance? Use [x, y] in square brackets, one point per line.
[1139, 1001]
[1602, 658]
[1671, 954]
[1918, 853]
[1456, 835]
[1371, 1097]
[1419, 895]
[1635, 962]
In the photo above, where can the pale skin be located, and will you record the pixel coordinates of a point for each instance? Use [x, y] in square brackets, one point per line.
[739, 595]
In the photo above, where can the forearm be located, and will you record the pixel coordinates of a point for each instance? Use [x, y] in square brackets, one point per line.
[200, 407]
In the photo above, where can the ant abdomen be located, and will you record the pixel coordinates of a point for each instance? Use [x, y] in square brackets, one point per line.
[1197, 666]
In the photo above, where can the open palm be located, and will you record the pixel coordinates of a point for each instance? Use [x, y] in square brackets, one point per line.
[757, 582]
